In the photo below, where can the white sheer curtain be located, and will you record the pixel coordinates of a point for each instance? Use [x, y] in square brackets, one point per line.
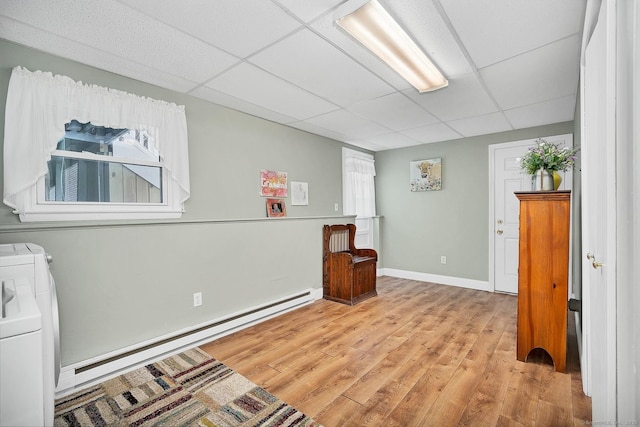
[38, 106]
[359, 186]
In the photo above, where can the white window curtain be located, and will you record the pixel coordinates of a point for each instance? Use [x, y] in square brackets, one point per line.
[359, 186]
[38, 106]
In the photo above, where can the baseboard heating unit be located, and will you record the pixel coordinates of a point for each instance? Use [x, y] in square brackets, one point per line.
[95, 370]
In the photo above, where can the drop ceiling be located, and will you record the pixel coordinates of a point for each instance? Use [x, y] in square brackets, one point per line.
[511, 64]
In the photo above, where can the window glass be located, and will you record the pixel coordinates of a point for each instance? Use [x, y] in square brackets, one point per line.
[106, 141]
[100, 164]
[81, 180]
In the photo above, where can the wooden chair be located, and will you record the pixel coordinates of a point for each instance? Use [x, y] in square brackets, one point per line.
[349, 274]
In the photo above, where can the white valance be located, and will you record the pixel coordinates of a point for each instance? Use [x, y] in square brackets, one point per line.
[360, 165]
[39, 104]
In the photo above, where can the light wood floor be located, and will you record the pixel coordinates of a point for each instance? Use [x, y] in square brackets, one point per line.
[418, 354]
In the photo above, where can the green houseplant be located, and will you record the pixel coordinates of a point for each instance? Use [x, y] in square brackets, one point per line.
[544, 159]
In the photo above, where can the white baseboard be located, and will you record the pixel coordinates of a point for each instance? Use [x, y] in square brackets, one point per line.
[461, 282]
[98, 369]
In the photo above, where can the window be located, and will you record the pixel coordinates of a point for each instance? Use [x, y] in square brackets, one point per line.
[104, 165]
[75, 152]
[359, 193]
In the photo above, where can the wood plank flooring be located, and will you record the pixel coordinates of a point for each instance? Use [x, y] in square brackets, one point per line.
[418, 354]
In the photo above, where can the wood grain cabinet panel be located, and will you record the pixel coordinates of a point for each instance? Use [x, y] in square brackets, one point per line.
[543, 273]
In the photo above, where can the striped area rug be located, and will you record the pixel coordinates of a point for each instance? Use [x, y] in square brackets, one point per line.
[188, 389]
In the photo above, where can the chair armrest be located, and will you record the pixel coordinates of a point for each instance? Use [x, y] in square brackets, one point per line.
[367, 252]
[345, 256]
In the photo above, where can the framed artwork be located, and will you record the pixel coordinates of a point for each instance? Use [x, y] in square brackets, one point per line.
[299, 193]
[425, 175]
[276, 208]
[273, 183]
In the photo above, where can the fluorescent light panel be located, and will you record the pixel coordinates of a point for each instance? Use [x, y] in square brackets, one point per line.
[372, 26]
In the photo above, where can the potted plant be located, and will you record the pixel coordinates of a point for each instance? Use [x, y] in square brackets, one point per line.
[543, 162]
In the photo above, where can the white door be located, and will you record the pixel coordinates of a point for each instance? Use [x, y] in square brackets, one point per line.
[508, 177]
[599, 218]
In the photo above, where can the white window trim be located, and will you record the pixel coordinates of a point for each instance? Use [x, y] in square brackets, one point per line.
[26, 154]
[37, 209]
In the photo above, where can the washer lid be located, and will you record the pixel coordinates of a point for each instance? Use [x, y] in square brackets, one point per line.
[15, 254]
[20, 312]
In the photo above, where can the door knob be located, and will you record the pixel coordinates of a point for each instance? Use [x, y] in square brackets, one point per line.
[499, 231]
[594, 264]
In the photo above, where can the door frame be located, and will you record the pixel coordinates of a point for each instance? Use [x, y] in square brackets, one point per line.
[511, 144]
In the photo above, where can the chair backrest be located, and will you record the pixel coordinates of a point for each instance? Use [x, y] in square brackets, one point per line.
[339, 238]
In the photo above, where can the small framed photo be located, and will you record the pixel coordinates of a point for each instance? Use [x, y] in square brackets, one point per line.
[276, 208]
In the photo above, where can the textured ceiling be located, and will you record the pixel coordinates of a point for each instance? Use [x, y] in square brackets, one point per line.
[511, 64]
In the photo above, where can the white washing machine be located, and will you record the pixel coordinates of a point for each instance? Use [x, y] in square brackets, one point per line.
[26, 264]
[21, 377]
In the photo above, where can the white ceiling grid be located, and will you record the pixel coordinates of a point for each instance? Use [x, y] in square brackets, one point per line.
[510, 63]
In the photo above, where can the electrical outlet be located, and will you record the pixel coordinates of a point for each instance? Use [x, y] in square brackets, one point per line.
[197, 299]
[335, 207]
[443, 259]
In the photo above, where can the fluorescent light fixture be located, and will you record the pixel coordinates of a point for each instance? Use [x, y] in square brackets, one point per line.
[372, 26]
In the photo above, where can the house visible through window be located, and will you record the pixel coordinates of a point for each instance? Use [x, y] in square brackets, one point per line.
[104, 165]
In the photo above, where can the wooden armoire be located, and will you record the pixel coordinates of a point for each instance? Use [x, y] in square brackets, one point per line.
[543, 274]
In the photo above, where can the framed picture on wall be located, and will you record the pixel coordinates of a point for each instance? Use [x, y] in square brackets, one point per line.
[425, 175]
[273, 183]
[299, 193]
[276, 208]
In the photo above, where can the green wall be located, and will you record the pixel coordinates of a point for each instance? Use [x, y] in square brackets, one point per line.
[123, 283]
[419, 227]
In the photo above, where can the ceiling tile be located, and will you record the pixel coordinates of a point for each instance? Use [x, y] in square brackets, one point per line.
[156, 45]
[309, 10]
[317, 130]
[223, 23]
[348, 125]
[554, 111]
[71, 49]
[499, 29]
[464, 97]
[365, 144]
[549, 72]
[434, 133]
[237, 104]
[247, 82]
[389, 141]
[395, 111]
[308, 61]
[481, 125]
